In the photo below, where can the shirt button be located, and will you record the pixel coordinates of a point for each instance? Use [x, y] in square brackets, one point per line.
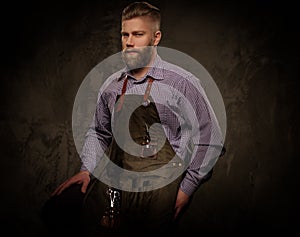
[174, 164]
[179, 164]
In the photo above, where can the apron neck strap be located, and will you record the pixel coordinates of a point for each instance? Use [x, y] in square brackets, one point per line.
[146, 100]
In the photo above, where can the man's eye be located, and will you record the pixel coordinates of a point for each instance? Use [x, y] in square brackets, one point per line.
[140, 34]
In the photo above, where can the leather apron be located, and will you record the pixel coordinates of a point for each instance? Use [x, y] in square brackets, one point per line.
[142, 210]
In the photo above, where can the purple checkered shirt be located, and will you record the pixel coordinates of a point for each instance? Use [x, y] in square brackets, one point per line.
[184, 111]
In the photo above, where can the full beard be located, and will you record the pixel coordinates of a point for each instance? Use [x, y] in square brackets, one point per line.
[137, 58]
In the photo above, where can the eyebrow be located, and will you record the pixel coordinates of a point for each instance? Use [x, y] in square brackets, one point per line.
[133, 32]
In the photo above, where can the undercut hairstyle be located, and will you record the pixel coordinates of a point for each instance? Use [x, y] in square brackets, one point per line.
[137, 9]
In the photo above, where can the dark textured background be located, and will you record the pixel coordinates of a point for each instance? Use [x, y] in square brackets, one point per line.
[251, 49]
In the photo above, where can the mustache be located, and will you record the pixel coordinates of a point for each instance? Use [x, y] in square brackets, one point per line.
[132, 51]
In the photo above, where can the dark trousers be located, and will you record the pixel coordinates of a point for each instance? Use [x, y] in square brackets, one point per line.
[68, 213]
[63, 216]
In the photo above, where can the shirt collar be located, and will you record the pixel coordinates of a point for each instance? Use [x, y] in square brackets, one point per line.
[155, 71]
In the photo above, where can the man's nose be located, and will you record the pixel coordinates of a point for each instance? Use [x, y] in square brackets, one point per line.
[129, 42]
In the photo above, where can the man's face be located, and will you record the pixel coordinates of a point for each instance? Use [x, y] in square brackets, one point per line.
[138, 39]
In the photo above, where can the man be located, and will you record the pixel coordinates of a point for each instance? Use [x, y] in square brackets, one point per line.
[155, 92]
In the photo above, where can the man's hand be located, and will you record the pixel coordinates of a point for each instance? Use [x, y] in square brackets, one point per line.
[181, 201]
[83, 177]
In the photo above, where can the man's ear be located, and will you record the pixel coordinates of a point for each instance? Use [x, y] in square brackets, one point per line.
[157, 37]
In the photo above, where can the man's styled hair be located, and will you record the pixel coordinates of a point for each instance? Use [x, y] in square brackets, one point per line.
[137, 9]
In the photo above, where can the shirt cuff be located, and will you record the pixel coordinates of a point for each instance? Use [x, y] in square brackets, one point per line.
[83, 168]
[188, 187]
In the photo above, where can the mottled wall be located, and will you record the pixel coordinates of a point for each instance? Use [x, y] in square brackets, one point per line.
[250, 49]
